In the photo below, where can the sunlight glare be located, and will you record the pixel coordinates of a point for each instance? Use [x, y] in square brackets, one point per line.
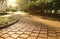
[11, 2]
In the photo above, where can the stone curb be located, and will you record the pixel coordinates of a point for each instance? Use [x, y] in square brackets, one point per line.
[9, 24]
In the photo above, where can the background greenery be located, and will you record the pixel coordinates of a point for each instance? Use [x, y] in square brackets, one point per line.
[46, 6]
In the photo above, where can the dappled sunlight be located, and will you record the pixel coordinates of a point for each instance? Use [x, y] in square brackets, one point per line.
[51, 23]
[21, 13]
[5, 16]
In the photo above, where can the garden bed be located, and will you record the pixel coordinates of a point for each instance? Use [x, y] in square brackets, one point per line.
[6, 21]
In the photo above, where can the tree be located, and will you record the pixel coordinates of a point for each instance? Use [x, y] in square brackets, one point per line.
[21, 4]
[56, 6]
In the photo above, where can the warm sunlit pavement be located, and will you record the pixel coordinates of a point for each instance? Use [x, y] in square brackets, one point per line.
[27, 28]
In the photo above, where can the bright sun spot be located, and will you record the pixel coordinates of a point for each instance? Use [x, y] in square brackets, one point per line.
[11, 3]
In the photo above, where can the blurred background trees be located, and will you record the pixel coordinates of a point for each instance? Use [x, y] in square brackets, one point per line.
[43, 6]
[40, 6]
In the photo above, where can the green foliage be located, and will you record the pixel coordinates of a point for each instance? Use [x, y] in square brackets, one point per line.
[49, 6]
[4, 20]
[10, 9]
[56, 0]
[56, 4]
[33, 5]
[38, 5]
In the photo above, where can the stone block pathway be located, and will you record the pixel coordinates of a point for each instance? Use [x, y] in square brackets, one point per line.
[28, 29]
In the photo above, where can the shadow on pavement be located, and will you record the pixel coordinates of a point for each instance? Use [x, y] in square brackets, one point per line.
[47, 17]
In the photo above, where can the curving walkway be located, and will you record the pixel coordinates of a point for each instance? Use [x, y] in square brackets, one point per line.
[29, 29]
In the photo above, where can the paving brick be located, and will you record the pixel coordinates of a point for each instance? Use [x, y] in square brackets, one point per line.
[58, 34]
[44, 32]
[10, 33]
[22, 30]
[58, 37]
[24, 35]
[5, 35]
[1, 38]
[4, 31]
[20, 38]
[15, 30]
[27, 32]
[34, 34]
[52, 32]
[19, 32]
[14, 35]
[31, 38]
[9, 38]
[37, 29]
[57, 30]
[52, 37]
[41, 38]
[43, 29]
[0, 34]
[42, 35]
